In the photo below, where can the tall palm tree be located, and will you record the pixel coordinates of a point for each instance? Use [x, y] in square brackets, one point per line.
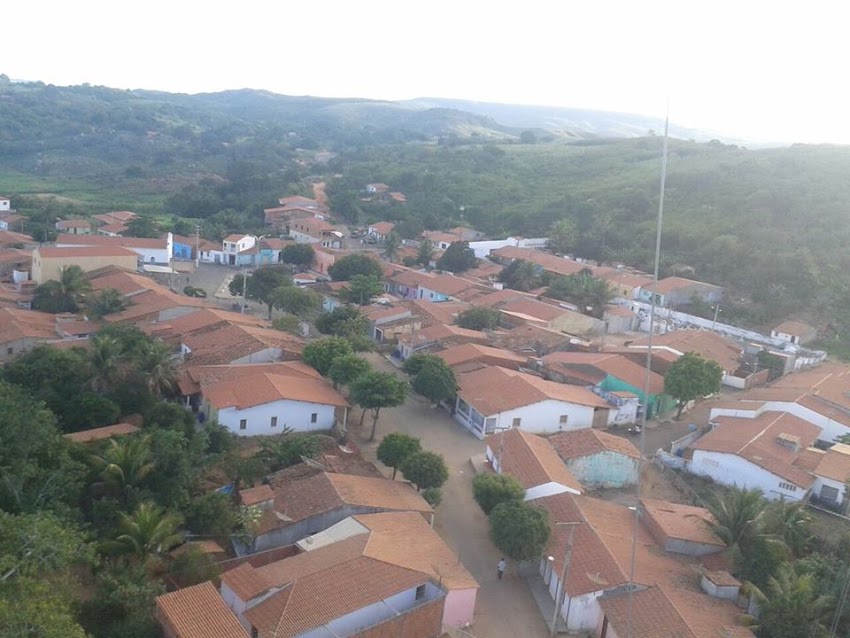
[73, 283]
[106, 358]
[147, 534]
[156, 363]
[739, 516]
[106, 302]
[792, 607]
[791, 523]
[426, 252]
[125, 464]
[391, 246]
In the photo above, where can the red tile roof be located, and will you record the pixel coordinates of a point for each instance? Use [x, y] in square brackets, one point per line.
[650, 614]
[101, 240]
[610, 364]
[198, 612]
[233, 342]
[706, 343]
[466, 353]
[382, 228]
[671, 284]
[263, 387]
[835, 463]
[531, 460]
[16, 324]
[105, 432]
[795, 328]
[682, 522]
[254, 495]
[575, 444]
[493, 390]
[47, 252]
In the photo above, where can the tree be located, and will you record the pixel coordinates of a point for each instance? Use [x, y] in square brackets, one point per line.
[260, 284]
[435, 380]
[528, 137]
[793, 606]
[343, 321]
[322, 353]
[520, 530]
[738, 516]
[791, 523]
[433, 496]
[425, 470]
[479, 318]
[376, 390]
[290, 449]
[147, 534]
[521, 275]
[300, 256]
[355, 264]
[155, 361]
[142, 227]
[105, 302]
[293, 300]
[414, 364]
[122, 604]
[691, 377]
[107, 358]
[394, 449]
[347, 368]
[490, 490]
[124, 464]
[590, 294]
[425, 252]
[211, 514]
[457, 258]
[391, 246]
[562, 237]
[66, 294]
[362, 289]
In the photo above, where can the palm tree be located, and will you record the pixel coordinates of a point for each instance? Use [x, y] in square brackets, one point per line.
[738, 516]
[147, 534]
[391, 245]
[125, 464]
[106, 361]
[792, 607]
[106, 302]
[156, 363]
[791, 523]
[73, 283]
[426, 252]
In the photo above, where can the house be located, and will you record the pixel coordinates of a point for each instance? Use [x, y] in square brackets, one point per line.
[48, 263]
[105, 432]
[387, 323]
[74, 226]
[495, 398]
[549, 263]
[5, 203]
[240, 344]
[818, 396]
[470, 356]
[237, 249]
[601, 535]
[794, 332]
[682, 529]
[425, 552]
[619, 319]
[115, 229]
[11, 239]
[377, 188]
[598, 459]
[324, 258]
[533, 340]
[183, 247]
[625, 284]
[380, 230]
[441, 240]
[315, 231]
[292, 208]
[672, 292]
[519, 309]
[609, 372]
[532, 461]
[269, 250]
[22, 330]
[202, 321]
[438, 335]
[211, 252]
[197, 611]
[757, 453]
[14, 260]
[150, 251]
[303, 506]
[120, 216]
[832, 473]
[267, 402]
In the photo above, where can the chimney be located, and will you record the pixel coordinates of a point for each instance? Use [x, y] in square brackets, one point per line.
[789, 441]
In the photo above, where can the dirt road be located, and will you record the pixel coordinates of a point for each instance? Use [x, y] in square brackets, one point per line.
[505, 608]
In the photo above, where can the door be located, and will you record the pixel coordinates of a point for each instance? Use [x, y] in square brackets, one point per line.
[600, 417]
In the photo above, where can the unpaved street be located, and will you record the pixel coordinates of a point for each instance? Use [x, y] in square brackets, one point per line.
[505, 609]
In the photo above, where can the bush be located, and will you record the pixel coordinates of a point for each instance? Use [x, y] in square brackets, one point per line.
[491, 490]
[395, 447]
[479, 318]
[211, 514]
[425, 469]
[433, 496]
[520, 530]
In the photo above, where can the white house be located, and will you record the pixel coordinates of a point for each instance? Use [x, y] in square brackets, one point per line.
[5, 203]
[266, 404]
[794, 332]
[759, 453]
[158, 250]
[831, 475]
[235, 244]
[532, 461]
[380, 230]
[492, 399]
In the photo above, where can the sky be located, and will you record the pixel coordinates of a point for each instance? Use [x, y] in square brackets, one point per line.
[759, 71]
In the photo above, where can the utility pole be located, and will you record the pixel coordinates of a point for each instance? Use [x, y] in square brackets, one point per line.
[244, 291]
[716, 312]
[562, 583]
[197, 244]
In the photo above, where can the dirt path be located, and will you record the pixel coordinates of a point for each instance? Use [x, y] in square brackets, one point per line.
[505, 608]
[319, 193]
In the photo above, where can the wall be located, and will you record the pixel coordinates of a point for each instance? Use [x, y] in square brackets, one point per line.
[292, 414]
[267, 355]
[423, 620]
[236, 604]
[182, 251]
[820, 481]
[730, 469]
[482, 248]
[48, 269]
[459, 610]
[605, 469]
[539, 418]
[18, 347]
[830, 429]
[580, 612]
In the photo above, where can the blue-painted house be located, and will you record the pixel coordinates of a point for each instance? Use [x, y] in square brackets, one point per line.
[598, 459]
[183, 247]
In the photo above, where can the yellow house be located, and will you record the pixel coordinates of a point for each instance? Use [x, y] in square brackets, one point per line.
[47, 262]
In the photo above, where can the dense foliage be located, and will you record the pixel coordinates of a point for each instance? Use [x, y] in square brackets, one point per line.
[520, 530]
[394, 449]
[490, 490]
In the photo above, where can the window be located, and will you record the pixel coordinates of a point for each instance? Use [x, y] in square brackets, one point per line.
[420, 592]
[10, 351]
[563, 419]
[516, 422]
[828, 493]
[788, 486]
[243, 424]
[274, 421]
[314, 417]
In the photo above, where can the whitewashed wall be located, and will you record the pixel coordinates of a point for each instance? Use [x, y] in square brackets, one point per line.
[292, 414]
[730, 469]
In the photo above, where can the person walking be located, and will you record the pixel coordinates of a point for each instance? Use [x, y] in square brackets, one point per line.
[501, 567]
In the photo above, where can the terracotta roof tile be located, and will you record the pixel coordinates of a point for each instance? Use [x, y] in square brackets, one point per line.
[198, 612]
[101, 240]
[263, 387]
[531, 460]
[105, 432]
[70, 252]
[493, 390]
[16, 323]
[247, 582]
[610, 364]
[193, 378]
[588, 441]
[254, 495]
[835, 463]
[683, 522]
[706, 343]
[652, 615]
[795, 328]
[233, 342]
[671, 284]
[382, 228]
[470, 352]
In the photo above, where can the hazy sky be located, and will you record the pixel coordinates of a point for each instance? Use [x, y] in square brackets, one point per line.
[758, 70]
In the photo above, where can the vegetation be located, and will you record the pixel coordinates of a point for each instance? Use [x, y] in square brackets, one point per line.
[457, 258]
[426, 470]
[67, 294]
[431, 377]
[692, 377]
[479, 318]
[261, 285]
[522, 275]
[321, 354]
[520, 530]
[589, 294]
[375, 390]
[294, 301]
[792, 606]
[349, 266]
[394, 449]
[299, 256]
[347, 368]
[343, 321]
[362, 289]
[490, 490]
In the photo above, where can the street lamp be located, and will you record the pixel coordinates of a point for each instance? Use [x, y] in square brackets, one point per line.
[716, 312]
